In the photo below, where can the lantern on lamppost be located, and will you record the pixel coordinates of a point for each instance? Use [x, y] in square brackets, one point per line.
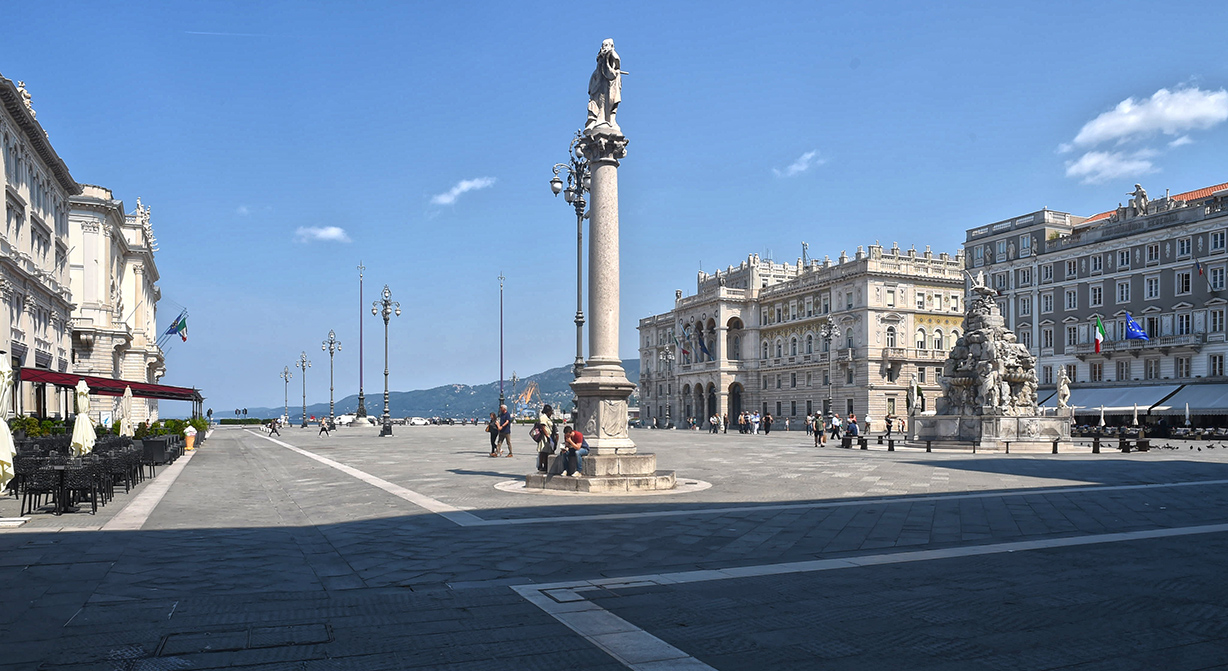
[303, 364]
[386, 307]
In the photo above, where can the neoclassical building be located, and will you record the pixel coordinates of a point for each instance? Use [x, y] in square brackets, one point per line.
[1162, 261]
[114, 284]
[34, 247]
[898, 313]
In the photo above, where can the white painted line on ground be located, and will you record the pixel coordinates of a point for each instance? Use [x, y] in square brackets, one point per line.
[138, 510]
[427, 503]
[641, 651]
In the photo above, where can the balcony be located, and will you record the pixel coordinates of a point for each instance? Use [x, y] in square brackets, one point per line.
[913, 353]
[1161, 344]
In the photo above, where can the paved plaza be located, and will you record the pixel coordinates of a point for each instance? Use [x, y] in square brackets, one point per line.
[355, 552]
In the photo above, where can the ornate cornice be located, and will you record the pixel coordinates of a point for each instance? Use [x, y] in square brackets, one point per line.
[15, 105]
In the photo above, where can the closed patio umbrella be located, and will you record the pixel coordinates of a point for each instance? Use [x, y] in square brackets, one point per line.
[1187, 414]
[6, 437]
[1102, 415]
[83, 436]
[1135, 422]
[125, 422]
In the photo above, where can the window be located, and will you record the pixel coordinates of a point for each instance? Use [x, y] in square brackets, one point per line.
[809, 380]
[1046, 273]
[891, 298]
[779, 379]
[1123, 371]
[1182, 366]
[1183, 324]
[1123, 259]
[955, 303]
[938, 339]
[893, 373]
[849, 300]
[1025, 337]
[1025, 245]
[1095, 372]
[1153, 327]
[920, 301]
[1216, 320]
[1151, 369]
[921, 374]
[1072, 336]
[1183, 247]
[1215, 279]
[1151, 288]
[793, 380]
[1046, 303]
[978, 255]
[1046, 337]
[1215, 364]
[999, 281]
[809, 344]
[891, 406]
[1096, 296]
[764, 320]
[779, 315]
[793, 347]
[826, 304]
[765, 350]
[1217, 241]
[765, 383]
[826, 379]
[1072, 268]
[1001, 250]
[890, 336]
[778, 408]
[1025, 306]
[1072, 371]
[1181, 282]
[1072, 299]
[1123, 292]
[1153, 253]
[780, 348]
[920, 338]
[793, 408]
[1046, 374]
[848, 377]
[1025, 277]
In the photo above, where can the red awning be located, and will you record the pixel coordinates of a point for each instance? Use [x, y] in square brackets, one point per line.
[104, 386]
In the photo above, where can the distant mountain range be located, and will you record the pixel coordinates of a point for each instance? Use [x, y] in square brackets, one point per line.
[451, 400]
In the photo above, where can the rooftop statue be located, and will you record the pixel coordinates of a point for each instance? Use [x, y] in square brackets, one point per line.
[1139, 200]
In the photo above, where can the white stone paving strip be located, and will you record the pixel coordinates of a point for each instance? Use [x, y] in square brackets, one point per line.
[641, 651]
[440, 508]
[138, 510]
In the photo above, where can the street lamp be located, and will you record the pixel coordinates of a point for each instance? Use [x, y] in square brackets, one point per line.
[667, 358]
[332, 346]
[579, 179]
[285, 377]
[386, 307]
[501, 278]
[303, 364]
[828, 332]
[362, 401]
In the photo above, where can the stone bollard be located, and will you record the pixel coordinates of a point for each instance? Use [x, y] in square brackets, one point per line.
[1055, 447]
[927, 446]
[863, 443]
[1008, 447]
[880, 439]
[846, 442]
[1096, 445]
[891, 445]
[974, 447]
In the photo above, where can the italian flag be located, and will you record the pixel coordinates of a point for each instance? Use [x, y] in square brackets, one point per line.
[1099, 334]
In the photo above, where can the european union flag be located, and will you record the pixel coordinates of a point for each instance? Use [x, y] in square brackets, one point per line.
[1133, 330]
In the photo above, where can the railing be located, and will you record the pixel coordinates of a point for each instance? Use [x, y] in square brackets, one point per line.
[1191, 340]
[914, 353]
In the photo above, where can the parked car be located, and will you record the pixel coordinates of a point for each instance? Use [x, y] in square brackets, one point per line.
[344, 420]
[418, 421]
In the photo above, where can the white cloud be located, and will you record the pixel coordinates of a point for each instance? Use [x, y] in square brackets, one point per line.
[802, 164]
[1096, 167]
[1181, 141]
[242, 210]
[321, 234]
[448, 197]
[1168, 112]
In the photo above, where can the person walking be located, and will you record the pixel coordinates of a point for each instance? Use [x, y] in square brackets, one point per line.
[725, 423]
[505, 431]
[816, 427]
[890, 425]
[809, 424]
[835, 426]
[273, 428]
[492, 429]
[754, 423]
[767, 423]
[546, 437]
[865, 423]
[323, 427]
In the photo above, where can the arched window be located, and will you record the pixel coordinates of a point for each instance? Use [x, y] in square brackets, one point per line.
[780, 347]
[765, 350]
[920, 338]
[735, 348]
[793, 347]
[809, 344]
[939, 343]
[890, 336]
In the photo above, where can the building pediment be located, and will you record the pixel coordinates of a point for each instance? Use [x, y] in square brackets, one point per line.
[1152, 310]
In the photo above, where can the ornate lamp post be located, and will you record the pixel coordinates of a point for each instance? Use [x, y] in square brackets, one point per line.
[828, 332]
[501, 278]
[303, 364]
[362, 401]
[386, 307]
[579, 180]
[332, 346]
[285, 377]
[667, 357]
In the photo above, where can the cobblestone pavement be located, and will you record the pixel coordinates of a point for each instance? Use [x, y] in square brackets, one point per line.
[355, 552]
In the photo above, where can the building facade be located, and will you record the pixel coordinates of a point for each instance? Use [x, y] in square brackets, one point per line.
[114, 278]
[1159, 261]
[751, 337]
[34, 248]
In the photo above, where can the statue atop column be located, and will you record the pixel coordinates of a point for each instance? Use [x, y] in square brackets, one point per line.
[605, 91]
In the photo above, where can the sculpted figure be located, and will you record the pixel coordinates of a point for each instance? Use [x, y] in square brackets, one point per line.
[912, 395]
[1139, 200]
[1063, 388]
[605, 89]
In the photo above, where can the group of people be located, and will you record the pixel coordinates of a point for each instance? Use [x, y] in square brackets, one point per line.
[546, 434]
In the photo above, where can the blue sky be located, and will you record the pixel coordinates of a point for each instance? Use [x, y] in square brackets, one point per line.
[278, 144]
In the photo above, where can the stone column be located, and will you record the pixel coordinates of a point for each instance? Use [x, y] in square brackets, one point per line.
[602, 388]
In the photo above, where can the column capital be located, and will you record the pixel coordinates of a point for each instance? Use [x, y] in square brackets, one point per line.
[604, 145]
